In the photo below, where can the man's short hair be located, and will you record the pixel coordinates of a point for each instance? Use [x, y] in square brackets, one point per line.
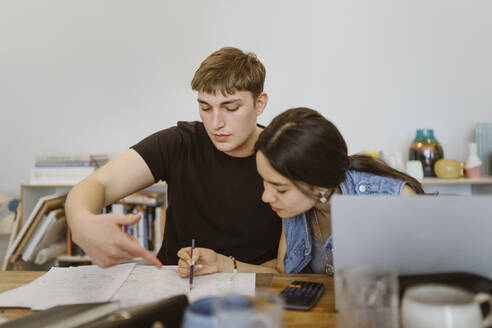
[230, 70]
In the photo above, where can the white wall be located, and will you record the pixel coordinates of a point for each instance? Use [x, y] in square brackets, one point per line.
[97, 76]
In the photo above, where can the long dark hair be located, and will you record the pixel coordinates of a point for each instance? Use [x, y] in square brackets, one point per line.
[305, 147]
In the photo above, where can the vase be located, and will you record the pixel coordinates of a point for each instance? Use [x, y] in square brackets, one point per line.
[427, 149]
[473, 164]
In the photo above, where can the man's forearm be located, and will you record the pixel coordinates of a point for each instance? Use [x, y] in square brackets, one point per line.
[84, 198]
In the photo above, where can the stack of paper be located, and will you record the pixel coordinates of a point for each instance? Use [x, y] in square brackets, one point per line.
[145, 284]
[74, 285]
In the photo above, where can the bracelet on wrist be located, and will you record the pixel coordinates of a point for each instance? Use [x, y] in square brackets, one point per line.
[234, 264]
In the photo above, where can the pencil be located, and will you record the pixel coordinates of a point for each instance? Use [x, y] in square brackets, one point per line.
[192, 265]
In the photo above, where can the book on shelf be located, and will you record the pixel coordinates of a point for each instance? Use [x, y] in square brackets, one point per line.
[73, 157]
[69, 243]
[51, 252]
[70, 164]
[65, 316]
[59, 175]
[16, 225]
[72, 248]
[42, 208]
[50, 229]
[147, 231]
[140, 228]
[149, 227]
[160, 220]
[143, 198]
[65, 169]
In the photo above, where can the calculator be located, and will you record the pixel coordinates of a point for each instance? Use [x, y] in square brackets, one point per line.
[302, 295]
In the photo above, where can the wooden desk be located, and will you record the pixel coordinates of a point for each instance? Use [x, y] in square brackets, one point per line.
[322, 315]
[14, 279]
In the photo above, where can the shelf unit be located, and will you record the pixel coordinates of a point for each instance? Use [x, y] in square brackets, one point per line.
[29, 196]
[460, 186]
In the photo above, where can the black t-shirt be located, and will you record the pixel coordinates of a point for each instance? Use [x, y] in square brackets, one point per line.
[212, 197]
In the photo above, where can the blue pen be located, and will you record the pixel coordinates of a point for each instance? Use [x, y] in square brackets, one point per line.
[192, 265]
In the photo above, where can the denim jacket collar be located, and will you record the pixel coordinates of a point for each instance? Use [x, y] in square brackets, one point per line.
[297, 230]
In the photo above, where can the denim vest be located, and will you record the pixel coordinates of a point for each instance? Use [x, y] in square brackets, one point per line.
[297, 230]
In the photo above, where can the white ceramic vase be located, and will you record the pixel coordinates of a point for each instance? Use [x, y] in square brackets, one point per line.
[473, 164]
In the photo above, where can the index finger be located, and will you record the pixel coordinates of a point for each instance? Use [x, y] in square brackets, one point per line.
[184, 254]
[196, 255]
[135, 249]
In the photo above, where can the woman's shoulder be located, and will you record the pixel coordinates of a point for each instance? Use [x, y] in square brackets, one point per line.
[360, 182]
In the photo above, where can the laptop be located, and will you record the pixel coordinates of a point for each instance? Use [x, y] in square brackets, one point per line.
[414, 234]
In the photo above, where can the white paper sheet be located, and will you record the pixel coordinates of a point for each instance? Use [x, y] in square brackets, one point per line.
[147, 283]
[84, 284]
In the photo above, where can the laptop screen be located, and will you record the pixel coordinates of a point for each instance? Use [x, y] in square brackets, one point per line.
[414, 234]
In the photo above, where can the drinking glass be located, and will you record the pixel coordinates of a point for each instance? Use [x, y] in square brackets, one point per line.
[367, 297]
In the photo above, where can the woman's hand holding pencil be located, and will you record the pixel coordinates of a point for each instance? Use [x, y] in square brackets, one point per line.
[205, 261]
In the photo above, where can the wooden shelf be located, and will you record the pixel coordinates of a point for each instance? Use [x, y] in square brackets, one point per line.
[460, 181]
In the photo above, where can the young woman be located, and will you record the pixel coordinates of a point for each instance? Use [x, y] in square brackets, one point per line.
[302, 158]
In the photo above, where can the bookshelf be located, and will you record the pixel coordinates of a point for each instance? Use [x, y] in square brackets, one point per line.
[29, 197]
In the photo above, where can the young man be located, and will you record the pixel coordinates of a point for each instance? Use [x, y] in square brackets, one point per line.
[214, 190]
